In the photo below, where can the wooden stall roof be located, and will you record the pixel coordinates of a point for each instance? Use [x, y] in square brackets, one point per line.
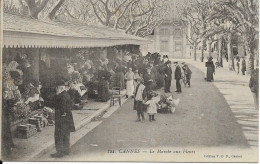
[24, 32]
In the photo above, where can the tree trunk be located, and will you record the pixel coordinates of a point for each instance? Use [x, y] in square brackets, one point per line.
[36, 7]
[202, 50]
[250, 65]
[34, 14]
[195, 51]
[250, 60]
[230, 53]
[209, 48]
[219, 49]
[220, 61]
[55, 9]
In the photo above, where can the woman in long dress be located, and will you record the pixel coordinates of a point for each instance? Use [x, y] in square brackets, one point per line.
[103, 84]
[210, 69]
[129, 76]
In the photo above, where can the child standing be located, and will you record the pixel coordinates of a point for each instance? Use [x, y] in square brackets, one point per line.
[139, 97]
[152, 106]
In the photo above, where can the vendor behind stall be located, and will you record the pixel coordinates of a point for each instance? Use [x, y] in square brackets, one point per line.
[103, 84]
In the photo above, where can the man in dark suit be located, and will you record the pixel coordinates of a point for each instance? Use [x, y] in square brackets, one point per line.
[143, 67]
[168, 77]
[154, 74]
[177, 76]
[64, 123]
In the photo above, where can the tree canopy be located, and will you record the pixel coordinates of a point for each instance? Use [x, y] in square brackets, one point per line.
[137, 17]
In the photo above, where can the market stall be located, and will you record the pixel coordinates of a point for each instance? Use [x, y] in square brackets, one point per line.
[37, 53]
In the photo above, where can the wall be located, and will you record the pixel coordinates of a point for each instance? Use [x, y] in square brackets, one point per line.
[148, 47]
[170, 40]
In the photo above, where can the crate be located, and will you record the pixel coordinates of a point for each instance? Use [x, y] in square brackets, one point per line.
[36, 122]
[26, 131]
[23, 127]
[24, 134]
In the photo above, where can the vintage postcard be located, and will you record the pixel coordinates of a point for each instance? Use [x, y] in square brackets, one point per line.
[130, 80]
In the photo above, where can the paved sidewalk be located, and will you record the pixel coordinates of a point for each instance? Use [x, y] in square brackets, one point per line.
[43, 142]
[239, 97]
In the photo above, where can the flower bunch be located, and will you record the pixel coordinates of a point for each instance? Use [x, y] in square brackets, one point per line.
[20, 111]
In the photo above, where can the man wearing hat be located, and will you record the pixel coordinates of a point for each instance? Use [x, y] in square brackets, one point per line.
[164, 59]
[64, 123]
[143, 67]
[177, 76]
[167, 77]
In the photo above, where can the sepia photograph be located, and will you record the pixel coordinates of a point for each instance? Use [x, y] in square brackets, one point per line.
[129, 80]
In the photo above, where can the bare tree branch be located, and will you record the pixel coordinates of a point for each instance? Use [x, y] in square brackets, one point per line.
[54, 10]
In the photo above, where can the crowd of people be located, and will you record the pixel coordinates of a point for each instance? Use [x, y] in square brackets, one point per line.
[144, 76]
[147, 75]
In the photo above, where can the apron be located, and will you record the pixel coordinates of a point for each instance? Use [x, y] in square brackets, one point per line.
[130, 87]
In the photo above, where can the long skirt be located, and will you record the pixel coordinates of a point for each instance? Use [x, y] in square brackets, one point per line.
[210, 74]
[130, 87]
[103, 91]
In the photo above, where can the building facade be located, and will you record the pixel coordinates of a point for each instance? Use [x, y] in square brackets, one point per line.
[170, 39]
